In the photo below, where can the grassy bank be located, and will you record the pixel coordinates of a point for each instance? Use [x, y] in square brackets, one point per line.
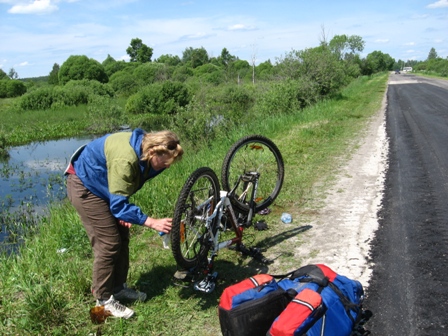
[44, 291]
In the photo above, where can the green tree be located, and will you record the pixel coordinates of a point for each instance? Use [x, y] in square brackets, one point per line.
[338, 45]
[13, 74]
[355, 44]
[319, 67]
[264, 70]
[343, 45]
[239, 69]
[377, 61]
[169, 59]
[195, 57]
[3, 75]
[139, 52]
[82, 67]
[112, 66]
[226, 58]
[432, 54]
[109, 60]
[53, 76]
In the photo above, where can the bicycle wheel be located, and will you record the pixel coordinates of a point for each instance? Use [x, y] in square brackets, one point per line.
[254, 153]
[190, 239]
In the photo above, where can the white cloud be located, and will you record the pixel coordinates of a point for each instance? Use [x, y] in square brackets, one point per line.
[125, 58]
[24, 63]
[196, 36]
[34, 7]
[240, 26]
[438, 4]
[410, 51]
[410, 44]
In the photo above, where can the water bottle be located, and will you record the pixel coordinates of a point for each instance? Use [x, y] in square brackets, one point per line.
[166, 239]
[286, 218]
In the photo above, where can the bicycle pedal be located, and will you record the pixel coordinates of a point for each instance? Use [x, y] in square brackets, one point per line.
[208, 284]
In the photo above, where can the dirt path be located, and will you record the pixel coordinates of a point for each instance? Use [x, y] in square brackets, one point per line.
[341, 231]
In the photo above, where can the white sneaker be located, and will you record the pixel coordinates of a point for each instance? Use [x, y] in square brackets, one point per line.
[128, 294]
[115, 308]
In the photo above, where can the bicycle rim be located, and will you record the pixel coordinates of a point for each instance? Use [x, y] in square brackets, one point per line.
[190, 239]
[254, 153]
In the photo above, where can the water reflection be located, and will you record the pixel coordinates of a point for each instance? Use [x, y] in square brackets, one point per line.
[32, 175]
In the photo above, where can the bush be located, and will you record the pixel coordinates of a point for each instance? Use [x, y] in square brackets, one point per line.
[210, 73]
[3, 90]
[231, 102]
[182, 73]
[93, 87]
[237, 98]
[124, 83]
[81, 67]
[281, 98]
[3, 151]
[103, 113]
[10, 88]
[66, 96]
[288, 96]
[158, 98]
[194, 123]
[39, 99]
[74, 93]
[148, 73]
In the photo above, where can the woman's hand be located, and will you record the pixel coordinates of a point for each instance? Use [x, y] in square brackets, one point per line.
[125, 224]
[161, 225]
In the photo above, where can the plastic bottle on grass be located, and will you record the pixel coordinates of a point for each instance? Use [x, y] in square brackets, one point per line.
[286, 218]
[166, 239]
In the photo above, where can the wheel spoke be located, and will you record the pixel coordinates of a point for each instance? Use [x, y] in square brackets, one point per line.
[195, 203]
[254, 154]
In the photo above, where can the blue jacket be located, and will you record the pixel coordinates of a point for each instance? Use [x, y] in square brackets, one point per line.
[110, 167]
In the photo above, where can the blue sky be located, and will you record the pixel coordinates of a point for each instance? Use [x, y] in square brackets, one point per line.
[35, 34]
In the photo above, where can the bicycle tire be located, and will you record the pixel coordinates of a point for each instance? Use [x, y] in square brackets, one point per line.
[190, 241]
[254, 153]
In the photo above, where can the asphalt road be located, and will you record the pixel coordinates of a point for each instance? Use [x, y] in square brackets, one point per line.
[408, 291]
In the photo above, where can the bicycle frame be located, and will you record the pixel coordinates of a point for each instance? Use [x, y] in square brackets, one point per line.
[212, 220]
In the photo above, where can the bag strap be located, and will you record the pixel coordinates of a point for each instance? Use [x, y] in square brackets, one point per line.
[309, 270]
[323, 277]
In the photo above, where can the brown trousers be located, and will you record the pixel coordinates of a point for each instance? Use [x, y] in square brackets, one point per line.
[109, 240]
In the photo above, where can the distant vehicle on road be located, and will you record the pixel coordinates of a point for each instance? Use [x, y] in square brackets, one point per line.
[397, 72]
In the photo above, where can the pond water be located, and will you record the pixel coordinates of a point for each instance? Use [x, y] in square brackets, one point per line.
[32, 177]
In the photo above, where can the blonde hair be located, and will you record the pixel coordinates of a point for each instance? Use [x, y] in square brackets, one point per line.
[162, 142]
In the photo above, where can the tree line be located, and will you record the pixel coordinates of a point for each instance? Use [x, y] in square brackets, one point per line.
[195, 84]
[195, 62]
[125, 77]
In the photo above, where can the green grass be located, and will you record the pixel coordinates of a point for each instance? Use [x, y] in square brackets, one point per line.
[44, 292]
[429, 74]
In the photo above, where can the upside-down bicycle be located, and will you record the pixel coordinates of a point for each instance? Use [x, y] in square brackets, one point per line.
[252, 176]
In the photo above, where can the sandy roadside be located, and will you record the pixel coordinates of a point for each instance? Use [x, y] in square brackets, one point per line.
[343, 228]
